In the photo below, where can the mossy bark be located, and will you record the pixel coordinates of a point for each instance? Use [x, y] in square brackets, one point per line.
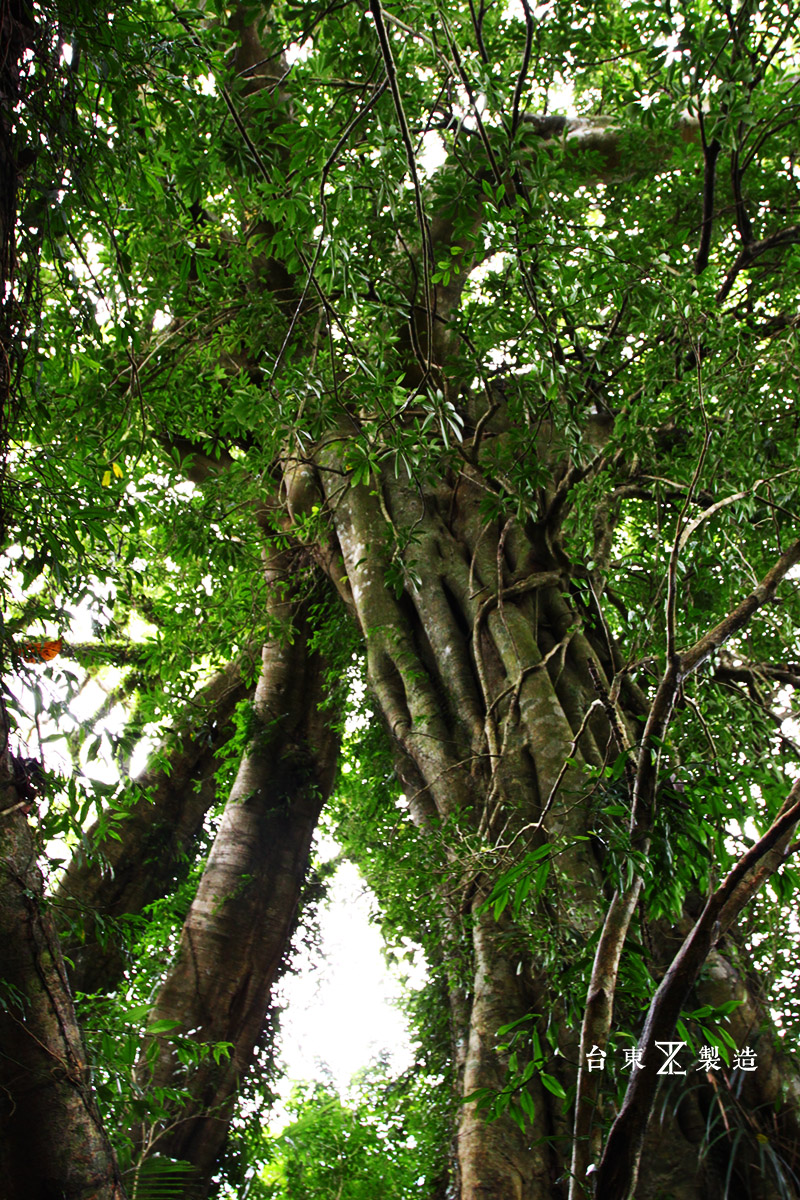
[53, 1143]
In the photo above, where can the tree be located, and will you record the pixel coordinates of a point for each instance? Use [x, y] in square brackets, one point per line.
[349, 349]
[374, 1147]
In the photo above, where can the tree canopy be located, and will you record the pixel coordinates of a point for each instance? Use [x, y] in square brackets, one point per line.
[400, 418]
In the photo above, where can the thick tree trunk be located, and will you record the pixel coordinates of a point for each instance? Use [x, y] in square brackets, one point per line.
[461, 667]
[491, 681]
[239, 926]
[53, 1144]
[499, 1159]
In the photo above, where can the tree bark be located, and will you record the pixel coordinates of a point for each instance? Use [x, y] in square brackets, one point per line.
[495, 689]
[126, 872]
[53, 1144]
[460, 665]
[239, 926]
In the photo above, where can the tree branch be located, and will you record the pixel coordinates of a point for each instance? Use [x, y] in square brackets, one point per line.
[124, 873]
[616, 1176]
[405, 134]
[710, 155]
[599, 1005]
[739, 616]
[748, 255]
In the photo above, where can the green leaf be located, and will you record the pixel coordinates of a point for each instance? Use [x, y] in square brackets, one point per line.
[163, 1026]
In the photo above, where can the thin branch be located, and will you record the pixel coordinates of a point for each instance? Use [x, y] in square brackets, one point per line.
[332, 157]
[477, 25]
[748, 255]
[672, 570]
[422, 221]
[742, 216]
[710, 155]
[523, 74]
[689, 529]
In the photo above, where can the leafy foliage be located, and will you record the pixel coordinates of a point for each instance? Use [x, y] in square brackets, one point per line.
[379, 1145]
[372, 318]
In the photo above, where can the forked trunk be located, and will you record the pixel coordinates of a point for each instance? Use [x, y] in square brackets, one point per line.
[493, 680]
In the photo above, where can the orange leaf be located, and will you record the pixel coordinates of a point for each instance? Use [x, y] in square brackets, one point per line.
[40, 651]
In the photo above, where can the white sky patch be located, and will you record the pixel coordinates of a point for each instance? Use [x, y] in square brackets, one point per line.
[561, 98]
[298, 51]
[342, 1006]
[433, 153]
[513, 8]
[495, 262]
[671, 45]
[161, 319]
[141, 755]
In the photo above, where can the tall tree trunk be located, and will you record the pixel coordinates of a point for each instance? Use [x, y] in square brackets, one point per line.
[53, 1144]
[494, 683]
[461, 667]
[238, 928]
